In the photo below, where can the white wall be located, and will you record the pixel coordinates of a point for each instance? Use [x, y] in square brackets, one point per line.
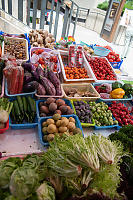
[88, 3]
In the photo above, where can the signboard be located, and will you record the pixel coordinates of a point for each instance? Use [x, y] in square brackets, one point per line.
[111, 15]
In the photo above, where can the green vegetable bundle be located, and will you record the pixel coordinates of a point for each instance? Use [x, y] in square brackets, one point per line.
[24, 110]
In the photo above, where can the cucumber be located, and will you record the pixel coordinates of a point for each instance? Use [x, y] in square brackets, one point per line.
[24, 104]
[32, 104]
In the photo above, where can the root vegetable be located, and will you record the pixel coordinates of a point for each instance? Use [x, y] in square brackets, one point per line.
[62, 129]
[50, 137]
[48, 40]
[51, 128]
[50, 121]
[71, 119]
[44, 109]
[52, 107]
[50, 100]
[71, 126]
[64, 122]
[56, 117]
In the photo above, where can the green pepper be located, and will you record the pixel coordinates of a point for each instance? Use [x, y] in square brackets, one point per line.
[116, 85]
[127, 88]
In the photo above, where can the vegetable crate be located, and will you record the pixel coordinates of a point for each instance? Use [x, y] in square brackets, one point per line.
[85, 65]
[116, 65]
[129, 106]
[6, 127]
[15, 95]
[25, 42]
[37, 106]
[24, 125]
[98, 80]
[78, 125]
[107, 100]
[47, 50]
[81, 87]
[83, 124]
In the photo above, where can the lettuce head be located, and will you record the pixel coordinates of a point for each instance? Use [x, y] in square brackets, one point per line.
[45, 192]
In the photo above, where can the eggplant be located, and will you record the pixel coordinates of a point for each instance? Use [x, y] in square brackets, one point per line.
[31, 86]
[28, 66]
[40, 71]
[28, 77]
[41, 90]
[35, 75]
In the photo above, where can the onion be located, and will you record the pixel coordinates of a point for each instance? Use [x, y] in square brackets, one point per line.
[4, 116]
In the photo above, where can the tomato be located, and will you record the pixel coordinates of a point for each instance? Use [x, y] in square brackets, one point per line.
[110, 60]
[118, 60]
[41, 61]
[53, 59]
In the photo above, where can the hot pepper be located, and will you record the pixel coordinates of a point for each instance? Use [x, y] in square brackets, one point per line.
[117, 93]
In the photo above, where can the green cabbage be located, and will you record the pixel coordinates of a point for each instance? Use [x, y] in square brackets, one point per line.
[11, 198]
[23, 183]
[35, 162]
[6, 169]
[45, 192]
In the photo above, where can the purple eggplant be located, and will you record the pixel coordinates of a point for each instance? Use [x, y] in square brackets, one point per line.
[50, 89]
[31, 86]
[40, 71]
[28, 66]
[53, 78]
[35, 75]
[41, 90]
[28, 77]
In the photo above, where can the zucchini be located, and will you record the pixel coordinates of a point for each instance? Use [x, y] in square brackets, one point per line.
[20, 103]
[24, 104]
[32, 104]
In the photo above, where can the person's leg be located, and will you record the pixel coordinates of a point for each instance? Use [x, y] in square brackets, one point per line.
[127, 43]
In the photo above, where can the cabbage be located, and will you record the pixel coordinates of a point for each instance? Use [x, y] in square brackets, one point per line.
[6, 169]
[35, 162]
[11, 198]
[45, 192]
[23, 183]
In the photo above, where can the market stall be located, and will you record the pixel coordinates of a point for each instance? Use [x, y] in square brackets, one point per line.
[63, 105]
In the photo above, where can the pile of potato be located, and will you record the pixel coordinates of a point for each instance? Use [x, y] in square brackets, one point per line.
[41, 38]
[58, 125]
[54, 106]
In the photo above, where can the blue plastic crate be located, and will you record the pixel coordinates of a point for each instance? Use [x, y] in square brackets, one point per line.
[107, 100]
[24, 125]
[106, 127]
[78, 125]
[116, 65]
[20, 94]
[37, 106]
[101, 51]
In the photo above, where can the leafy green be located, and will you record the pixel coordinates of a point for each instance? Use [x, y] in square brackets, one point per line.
[23, 182]
[4, 193]
[6, 169]
[45, 192]
[35, 162]
[125, 136]
[11, 198]
[107, 180]
[6, 105]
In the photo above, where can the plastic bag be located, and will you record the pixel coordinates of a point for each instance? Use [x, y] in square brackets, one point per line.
[14, 74]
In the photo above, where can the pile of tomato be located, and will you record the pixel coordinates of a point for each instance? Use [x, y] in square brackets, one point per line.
[113, 57]
[101, 69]
[75, 72]
[121, 113]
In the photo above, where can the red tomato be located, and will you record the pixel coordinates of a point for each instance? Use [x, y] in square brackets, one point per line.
[118, 60]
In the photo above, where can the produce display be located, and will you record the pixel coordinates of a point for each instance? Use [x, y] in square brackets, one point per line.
[16, 47]
[101, 68]
[54, 106]
[113, 57]
[41, 57]
[121, 113]
[83, 111]
[102, 114]
[60, 126]
[41, 38]
[45, 82]
[24, 110]
[74, 92]
[114, 90]
[70, 166]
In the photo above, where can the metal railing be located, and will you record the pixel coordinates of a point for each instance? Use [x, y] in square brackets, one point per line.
[71, 13]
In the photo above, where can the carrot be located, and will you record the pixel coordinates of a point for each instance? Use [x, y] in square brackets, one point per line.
[0, 51]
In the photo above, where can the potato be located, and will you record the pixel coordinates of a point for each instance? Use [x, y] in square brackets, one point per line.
[50, 121]
[58, 112]
[64, 122]
[44, 124]
[71, 119]
[56, 117]
[60, 102]
[52, 107]
[62, 129]
[51, 128]
[71, 126]
[58, 123]
[45, 138]
[50, 100]
[44, 130]
[50, 137]
[44, 109]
